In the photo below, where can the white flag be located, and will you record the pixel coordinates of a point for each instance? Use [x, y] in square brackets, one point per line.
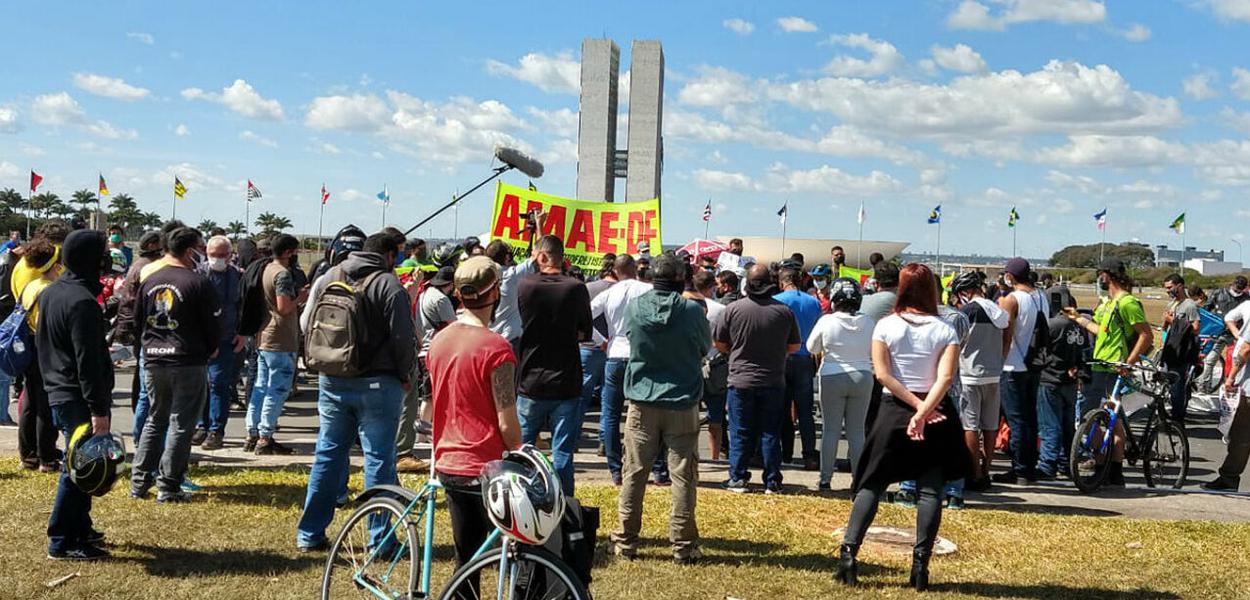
[861, 213]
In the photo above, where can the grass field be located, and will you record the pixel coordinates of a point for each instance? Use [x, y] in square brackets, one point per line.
[236, 540]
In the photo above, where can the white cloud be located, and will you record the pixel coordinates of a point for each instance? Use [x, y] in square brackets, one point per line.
[1082, 183]
[9, 170]
[554, 74]
[1232, 10]
[561, 122]
[959, 58]
[241, 98]
[845, 141]
[326, 148]
[107, 130]
[971, 14]
[1115, 151]
[1241, 83]
[884, 57]
[251, 136]
[712, 180]
[8, 120]
[1198, 86]
[377, 155]
[796, 25]
[57, 109]
[560, 151]
[142, 38]
[109, 87]
[348, 113]
[831, 180]
[717, 87]
[738, 26]
[181, 130]
[1137, 33]
[1237, 120]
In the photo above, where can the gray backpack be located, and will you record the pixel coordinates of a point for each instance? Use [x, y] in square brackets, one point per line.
[338, 330]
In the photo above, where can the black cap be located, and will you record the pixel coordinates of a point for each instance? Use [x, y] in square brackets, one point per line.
[444, 276]
[1111, 264]
[1018, 268]
[1240, 282]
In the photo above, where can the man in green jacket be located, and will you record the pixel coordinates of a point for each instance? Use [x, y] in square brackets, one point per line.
[668, 337]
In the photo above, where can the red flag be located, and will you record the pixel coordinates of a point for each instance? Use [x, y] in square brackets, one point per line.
[325, 196]
[35, 180]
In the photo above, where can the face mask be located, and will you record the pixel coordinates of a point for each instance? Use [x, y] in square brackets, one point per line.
[1104, 284]
[1175, 293]
[217, 264]
[838, 260]
[820, 283]
[198, 258]
[115, 238]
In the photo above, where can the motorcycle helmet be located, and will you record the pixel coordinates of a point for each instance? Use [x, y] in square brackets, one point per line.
[95, 462]
[968, 280]
[844, 293]
[522, 495]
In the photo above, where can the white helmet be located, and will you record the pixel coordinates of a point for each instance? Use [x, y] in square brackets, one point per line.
[522, 495]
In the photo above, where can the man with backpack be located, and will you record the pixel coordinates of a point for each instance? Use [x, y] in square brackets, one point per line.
[1181, 323]
[1222, 301]
[1024, 341]
[277, 344]
[362, 340]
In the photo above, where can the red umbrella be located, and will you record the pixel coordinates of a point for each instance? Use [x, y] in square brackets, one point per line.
[699, 248]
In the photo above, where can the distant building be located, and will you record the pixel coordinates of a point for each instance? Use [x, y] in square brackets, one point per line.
[1166, 257]
[1212, 267]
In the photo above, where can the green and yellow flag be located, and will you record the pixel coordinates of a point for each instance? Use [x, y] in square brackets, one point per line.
[1012, 217]
[1178, 224]
[179, 189]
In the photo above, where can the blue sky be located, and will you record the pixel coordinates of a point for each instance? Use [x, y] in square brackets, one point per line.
[1057, 107]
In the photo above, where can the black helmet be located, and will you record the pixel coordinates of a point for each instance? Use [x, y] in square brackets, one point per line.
[95, 462]
[447, 255]
[968, 280]
[349, 239]
[844, 293]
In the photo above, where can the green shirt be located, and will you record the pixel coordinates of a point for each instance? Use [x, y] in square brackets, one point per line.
[1116, 320]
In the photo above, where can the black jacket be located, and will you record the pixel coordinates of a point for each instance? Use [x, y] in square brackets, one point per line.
[392, 337]
[73, 355]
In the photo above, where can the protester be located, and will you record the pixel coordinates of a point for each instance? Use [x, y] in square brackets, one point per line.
[843, 338]
[117, 241]
[1056, 404]
[880, 304]
[555, 317]
[1221, 302]
[1026, 308]
[1121, 335]
[980, 369]
[227, 282]
[837, 257]
[757, 333]
[418, 256]
[611, 305]
[593, 355]
[277, 343]
[728, 287]
[507, 319]
[820, 276]
[1237, 387]
[800, 370]
[915, 434]
[367, 405]
[39, 266]
[1181, 324]
[715, 369]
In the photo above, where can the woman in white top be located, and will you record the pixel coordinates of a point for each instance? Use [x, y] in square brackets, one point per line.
[844, 339]
[916, 432]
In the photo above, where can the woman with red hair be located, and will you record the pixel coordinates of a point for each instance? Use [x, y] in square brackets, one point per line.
[916, 432]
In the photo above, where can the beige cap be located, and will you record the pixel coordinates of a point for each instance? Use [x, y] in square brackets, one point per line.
[475, 276]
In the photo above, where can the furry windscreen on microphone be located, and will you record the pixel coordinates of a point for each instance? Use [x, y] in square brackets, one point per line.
[519, 160]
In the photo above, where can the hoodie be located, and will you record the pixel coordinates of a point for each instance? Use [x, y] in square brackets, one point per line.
[668, 336]
[845, 342]
[391, 341]
[981, 358]
[73, 355]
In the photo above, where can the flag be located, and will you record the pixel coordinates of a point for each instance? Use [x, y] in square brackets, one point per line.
[1012, 217]
[1178, 224]
[862, 214]
[35, 180]
[104, 187]
[325, 196]
[707, 211]
[533, 188]
[385, 195]
[1101, 218]
[179, 189]
[935, 215]
[253, 192]
[782, 213]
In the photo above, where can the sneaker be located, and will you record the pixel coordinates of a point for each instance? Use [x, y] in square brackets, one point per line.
[138, 494]
[87, 552]
[8, 423]
[411, 464]
[773, 489]
[1221, 485]
[198, 437]
[542, 444]
[954, 503]
[94, 538]
[189, 486]
[213, 441]
[736, 486]
[178, 497]
[601, 452]
[268, 446]
[50, 467]
[1005, 477]
[30, 464]
[842, 465]
[905, 498]
[343, 500]
[250, 444]
[824, 486]
[425, 427]
[811, 464]
[1115, 477]
[616, 479]
[623, 554]
[321, 546]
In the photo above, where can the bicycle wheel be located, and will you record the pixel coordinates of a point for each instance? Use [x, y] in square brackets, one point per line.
[533, 574]
[360, 567]
[1090, 458]
[1166, 459]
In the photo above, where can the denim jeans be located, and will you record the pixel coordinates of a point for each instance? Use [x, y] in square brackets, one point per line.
[6, 389]
[593, 360]
[1056, 422]
[1018, 390]
[220, 389]
[71, 511]
[177, 396]
[612, 406]
[564, 419]
[799, 394]
[274, 371]
[953, 489]
[143, 405]
[755, 416]
[347, 407]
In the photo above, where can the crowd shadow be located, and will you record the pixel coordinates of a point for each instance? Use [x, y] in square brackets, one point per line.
[187, 562]
[1048, 591]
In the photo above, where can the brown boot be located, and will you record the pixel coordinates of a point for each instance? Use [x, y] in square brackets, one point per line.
[268, 446]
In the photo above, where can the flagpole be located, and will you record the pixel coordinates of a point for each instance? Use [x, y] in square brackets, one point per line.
[174, 212]
[859, 252]
[247, 213]
[384, 203]
[1102, 244]
[30, 206]
[939, 245]
[1013, 241]
[708, 221]
[321, 218]
[784, 218]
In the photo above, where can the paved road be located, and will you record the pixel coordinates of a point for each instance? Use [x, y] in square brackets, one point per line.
[298, 428]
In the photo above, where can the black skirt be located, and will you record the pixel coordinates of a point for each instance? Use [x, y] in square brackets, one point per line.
[890, 456]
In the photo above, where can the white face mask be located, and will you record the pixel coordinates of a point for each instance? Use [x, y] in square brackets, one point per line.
[217, 264]
[820, 283]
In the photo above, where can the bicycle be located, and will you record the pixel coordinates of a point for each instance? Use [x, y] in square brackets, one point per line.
[364, 562]
[1164, 446]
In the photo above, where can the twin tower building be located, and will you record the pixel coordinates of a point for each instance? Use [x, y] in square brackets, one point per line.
[599, 162]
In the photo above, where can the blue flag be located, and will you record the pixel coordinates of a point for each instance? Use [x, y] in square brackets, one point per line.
[384, 195]
[935, 215]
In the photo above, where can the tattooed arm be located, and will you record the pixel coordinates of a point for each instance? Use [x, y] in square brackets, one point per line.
[503, 387]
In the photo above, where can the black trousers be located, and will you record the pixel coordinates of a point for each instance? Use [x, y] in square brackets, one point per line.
[469, 524]
[36, 434]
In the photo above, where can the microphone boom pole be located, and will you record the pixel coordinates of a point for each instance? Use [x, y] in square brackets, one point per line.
[500, 170]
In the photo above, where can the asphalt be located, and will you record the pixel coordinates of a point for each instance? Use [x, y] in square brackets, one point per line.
[298, 428]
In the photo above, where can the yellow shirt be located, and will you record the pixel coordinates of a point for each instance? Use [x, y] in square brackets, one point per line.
[33, 281]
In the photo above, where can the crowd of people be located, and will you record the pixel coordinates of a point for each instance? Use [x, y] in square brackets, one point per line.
[481, 353]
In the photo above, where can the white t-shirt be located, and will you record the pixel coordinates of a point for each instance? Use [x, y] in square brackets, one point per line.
[845, 340]
[611, 304]
[1240, 314]
[1027, 306]
[714, 309]
[915, 348]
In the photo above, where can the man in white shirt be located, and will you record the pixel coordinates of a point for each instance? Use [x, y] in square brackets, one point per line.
[611, 305]
[1236, 384]
[1021, 380]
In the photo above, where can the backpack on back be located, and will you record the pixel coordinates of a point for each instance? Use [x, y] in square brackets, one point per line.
[17, 347]
[1035, 359]
[255, 310]
[338, 329]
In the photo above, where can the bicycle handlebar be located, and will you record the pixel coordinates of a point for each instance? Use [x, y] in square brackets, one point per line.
[1143, 367]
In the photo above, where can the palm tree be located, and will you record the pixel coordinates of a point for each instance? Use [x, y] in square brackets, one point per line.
[43, 203]
[270, 223]
[62, 210]
[206, 226]
[86, 200]
[11, 200]
[236, 228]
[151, 220]
[124, 211]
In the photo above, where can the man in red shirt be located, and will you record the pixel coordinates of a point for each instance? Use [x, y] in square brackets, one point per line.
[473, 375]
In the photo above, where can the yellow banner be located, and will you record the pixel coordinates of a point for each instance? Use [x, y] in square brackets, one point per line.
[860, 275]
[589, 229]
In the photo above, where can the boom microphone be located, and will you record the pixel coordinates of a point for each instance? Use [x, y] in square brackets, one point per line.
[519, 160]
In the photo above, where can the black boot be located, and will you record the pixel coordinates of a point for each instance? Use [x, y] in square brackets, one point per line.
[920, 569]
[848, 568]
[1115, 476]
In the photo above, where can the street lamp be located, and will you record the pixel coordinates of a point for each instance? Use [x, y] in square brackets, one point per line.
[1239, 257]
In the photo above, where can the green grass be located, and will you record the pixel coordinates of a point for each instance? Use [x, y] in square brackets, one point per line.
[237, 541]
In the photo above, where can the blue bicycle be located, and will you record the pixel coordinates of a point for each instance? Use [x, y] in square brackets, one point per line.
[1162, 446]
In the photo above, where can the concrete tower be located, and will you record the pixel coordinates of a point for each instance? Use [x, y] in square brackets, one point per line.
[596, 125]
[646, 112]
